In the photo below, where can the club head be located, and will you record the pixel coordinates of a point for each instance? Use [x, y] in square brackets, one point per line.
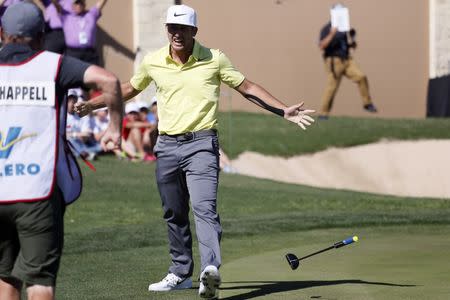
[292, 261]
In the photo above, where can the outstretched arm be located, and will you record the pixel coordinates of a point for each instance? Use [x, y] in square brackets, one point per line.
[86, 107]
[57, 6]
[110, 87]
[100, 4]
[259, 96]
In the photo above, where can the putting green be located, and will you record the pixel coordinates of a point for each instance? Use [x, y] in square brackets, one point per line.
[386, 263]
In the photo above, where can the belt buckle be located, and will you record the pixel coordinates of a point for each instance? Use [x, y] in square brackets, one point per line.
[186, 137]
[189, 136]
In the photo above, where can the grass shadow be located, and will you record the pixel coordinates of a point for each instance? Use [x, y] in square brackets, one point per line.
[264, 288]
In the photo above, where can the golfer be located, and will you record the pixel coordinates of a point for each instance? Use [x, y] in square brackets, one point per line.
[38, 175]
[188, 77]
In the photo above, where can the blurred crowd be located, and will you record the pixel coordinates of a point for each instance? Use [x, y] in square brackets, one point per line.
[139, 129]
[71, 29]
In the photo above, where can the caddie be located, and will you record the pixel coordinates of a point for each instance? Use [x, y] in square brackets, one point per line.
[38, 174]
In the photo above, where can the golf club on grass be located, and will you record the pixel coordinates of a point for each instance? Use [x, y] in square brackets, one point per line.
[294, 261]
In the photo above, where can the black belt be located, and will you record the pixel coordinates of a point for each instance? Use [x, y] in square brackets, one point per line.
[188, 136]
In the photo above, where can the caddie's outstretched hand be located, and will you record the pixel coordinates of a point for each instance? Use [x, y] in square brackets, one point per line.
[299, 115]
[83, 108]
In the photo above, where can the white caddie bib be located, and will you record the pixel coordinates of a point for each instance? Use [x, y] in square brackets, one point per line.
[28, 128]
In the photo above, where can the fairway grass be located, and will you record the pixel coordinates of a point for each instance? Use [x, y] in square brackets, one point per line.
[116, 239]
[387, 263]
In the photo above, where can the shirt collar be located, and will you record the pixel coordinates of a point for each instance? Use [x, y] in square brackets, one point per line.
[196, 52]
[14, 52]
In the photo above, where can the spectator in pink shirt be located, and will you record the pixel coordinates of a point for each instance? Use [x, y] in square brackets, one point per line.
[80, 29]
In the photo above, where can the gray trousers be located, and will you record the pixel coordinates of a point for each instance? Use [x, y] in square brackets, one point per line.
[188, 169]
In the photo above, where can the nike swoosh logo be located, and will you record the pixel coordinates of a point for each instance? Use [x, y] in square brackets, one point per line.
[178, 15]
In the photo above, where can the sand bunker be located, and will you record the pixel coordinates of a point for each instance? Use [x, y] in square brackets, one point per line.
[403, 168]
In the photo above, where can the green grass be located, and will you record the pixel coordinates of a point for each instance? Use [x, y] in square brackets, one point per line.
[388, 263]
[274, 136]
[116, 239]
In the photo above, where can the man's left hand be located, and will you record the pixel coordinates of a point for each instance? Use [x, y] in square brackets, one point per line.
[83, 108]
[298, 115]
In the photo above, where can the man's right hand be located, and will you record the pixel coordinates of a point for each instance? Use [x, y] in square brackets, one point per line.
[83, 108]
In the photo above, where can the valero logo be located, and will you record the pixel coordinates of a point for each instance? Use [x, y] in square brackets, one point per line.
[7, 143]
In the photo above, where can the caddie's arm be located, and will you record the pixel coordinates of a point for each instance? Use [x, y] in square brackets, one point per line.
[86, 107]
[109, 85]
[259, 96]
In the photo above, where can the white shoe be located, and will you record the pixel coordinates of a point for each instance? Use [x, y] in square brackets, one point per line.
[169, 283]
[209, 282]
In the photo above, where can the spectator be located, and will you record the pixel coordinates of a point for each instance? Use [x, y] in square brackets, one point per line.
[80, 29]
[149, 134]
[79, 131]
[33, 201]
[152, 116]
[133, 133]
[187, 165]
[101, 121]
[338, 63]
[54, 34]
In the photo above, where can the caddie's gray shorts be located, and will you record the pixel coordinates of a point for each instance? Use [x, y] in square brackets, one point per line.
[187, 170]
[31, 240]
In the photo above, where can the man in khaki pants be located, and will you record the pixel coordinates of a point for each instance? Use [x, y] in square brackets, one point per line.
[338, 62]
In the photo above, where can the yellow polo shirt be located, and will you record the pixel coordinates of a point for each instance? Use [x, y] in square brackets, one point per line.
[187, 94]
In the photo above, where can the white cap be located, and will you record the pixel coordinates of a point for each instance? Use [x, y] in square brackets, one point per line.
[153, 101]
[142, 104]
[181, 14]
[75, 92]
[131, 107]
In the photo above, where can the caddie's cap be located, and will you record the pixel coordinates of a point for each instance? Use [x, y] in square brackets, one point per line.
[181, 14]
[23, 19]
